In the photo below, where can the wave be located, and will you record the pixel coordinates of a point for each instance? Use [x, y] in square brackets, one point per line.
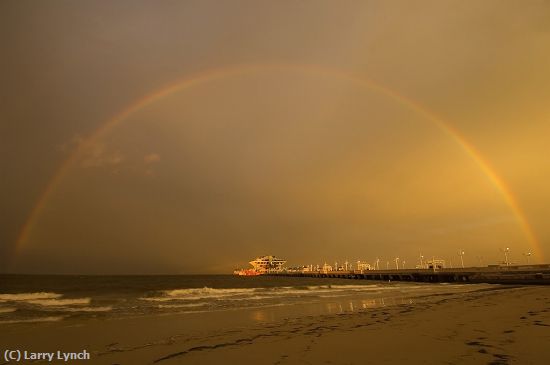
[7, 309]
[253, 293]
[60, 302]
[254, 297]
[89, 309]
[318, 289]
[157, 299]
[199, 293]
[206, 291]
[33, 320]
[28, 296]
[220, 294]
[188, 305]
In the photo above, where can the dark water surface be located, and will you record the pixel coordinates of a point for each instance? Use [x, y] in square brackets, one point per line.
[45, 298]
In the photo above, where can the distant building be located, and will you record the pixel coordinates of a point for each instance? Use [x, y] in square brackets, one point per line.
[434, 264]
[267, 264]
[361, 265]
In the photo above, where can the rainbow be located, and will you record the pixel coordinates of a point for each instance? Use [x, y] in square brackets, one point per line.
[211, 75]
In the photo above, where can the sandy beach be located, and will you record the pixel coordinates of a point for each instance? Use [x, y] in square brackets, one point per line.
[497, 325]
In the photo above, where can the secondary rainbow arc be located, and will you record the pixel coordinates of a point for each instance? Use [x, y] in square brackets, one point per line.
[216, 74]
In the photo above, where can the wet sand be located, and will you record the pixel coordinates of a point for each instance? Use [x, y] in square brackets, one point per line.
[499, 325]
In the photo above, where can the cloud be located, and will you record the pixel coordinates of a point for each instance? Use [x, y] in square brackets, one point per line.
[98, 155]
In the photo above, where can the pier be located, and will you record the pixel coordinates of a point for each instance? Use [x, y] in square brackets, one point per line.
[526, 274]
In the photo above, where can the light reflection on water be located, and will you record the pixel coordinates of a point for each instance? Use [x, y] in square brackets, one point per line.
[259, 315]
[271, 314]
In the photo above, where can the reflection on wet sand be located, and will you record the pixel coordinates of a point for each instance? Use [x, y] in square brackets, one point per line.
[271, 313]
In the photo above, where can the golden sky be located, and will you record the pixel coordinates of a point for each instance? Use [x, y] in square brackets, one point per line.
[192, 136]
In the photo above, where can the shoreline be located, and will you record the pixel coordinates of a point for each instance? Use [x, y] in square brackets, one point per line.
[502, 324]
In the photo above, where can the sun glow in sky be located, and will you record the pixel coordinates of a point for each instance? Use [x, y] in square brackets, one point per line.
[183, 137]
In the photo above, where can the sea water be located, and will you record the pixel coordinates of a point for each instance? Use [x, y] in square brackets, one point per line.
[44, 298]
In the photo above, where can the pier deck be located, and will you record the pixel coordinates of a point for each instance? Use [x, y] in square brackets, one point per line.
[527, 274]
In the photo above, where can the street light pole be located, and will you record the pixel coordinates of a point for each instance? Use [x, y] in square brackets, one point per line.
[506, 250]
[527, 256]
[461, 253]
[397, 263]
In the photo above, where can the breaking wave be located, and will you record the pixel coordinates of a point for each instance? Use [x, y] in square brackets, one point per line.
[60, 302]
[28, 296]
[88, 309]
[33, 320]
[233, 294]
[199, 293]
[207, 292]
[187, 305]
[46, 302]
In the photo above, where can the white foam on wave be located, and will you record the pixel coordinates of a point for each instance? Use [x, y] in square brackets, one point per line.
[199, 293]
[88, 309]
[254, 297]
[206, 291]
[236, 294]
[7, 309]
[187, 305]
[318, 289]
[33, 320]
[157, 299]
[60, 302]
[28, 296]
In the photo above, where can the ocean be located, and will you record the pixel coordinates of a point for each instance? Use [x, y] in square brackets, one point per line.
[45, 298]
